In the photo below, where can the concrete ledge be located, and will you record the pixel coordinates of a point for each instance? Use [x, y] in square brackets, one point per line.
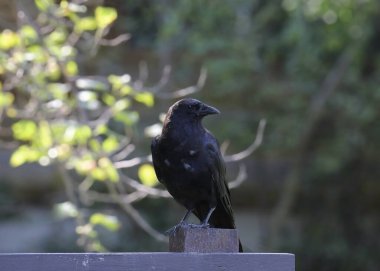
[146, 261]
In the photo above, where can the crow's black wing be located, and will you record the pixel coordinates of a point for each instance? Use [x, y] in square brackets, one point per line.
[156, 158]
[223, 215]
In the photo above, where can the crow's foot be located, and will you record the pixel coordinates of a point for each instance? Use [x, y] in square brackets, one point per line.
[199, 226]
[174, 229]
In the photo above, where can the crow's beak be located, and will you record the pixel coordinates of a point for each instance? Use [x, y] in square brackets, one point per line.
[208, 110]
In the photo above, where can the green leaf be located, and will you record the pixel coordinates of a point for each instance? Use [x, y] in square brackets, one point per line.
[84, 164]
[43, 5]
[110, 144]
[11, 112]
[86, 24]
[82, 134]
[24, 154]
[145, 98]
[71, 68]
[37, 54]
[68, 134]
[75, 134]
[67, 52]
[28, 34]
[98, 174]
[107, 221]
[8, 39]
[64, 152]
[94, 145]
[104, 16]
[24, 130]
[121, 105]
[106, 165]
[18, 157]
[118, 81]
[6, 98]
[97, 246]
[108, 99]
[58, 90]
[112, 174]
[129, 118]
[54, 71]
[126, 90]
[147, 175]
[44, 135]
[101, 129]
[57, 37]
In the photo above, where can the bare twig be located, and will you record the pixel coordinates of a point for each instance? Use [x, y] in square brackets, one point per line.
[123, 153]
[135, 215]
[115, 41]
[132, 162]
[143, 71]
[84, 190]
[188, 90]
[104, 117]
[135, 196]
[247, 152]
[166, 72]
[93, 196]
[69, 184]
[240, 178]
[153, 192]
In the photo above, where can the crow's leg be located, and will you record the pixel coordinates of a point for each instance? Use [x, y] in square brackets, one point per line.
[185, 217]
[205, 221]
[183, 222]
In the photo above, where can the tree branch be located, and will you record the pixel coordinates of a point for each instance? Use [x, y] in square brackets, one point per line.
[240, 178]
[291, 185]
[135, 215]
[247, 152]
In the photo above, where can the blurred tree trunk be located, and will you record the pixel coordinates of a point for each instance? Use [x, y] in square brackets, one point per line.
[293, 180]
[165, 48]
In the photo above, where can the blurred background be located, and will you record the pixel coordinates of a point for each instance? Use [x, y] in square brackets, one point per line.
[83, 85]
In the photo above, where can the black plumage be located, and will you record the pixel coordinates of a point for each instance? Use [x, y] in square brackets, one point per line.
[187, 160]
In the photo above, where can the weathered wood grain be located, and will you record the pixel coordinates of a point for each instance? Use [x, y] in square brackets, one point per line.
[190, 239]
[147, 261]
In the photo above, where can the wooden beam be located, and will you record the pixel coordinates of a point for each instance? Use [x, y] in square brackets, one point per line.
[146, 261]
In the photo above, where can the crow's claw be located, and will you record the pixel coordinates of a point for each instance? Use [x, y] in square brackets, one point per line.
[199, 226]
[174, 229]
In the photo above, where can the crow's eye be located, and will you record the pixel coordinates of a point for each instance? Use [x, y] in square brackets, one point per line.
[193, 106]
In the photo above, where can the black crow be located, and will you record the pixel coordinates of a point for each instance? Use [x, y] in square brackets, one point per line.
[187, 160]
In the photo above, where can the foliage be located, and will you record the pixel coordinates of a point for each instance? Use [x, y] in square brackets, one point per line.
[60, 117]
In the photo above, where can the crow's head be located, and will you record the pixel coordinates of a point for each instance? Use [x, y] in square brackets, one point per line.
[191, 109]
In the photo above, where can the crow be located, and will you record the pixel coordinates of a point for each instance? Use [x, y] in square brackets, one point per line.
[188, 162]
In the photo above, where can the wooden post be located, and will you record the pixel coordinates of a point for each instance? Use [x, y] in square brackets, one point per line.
[203, 240]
